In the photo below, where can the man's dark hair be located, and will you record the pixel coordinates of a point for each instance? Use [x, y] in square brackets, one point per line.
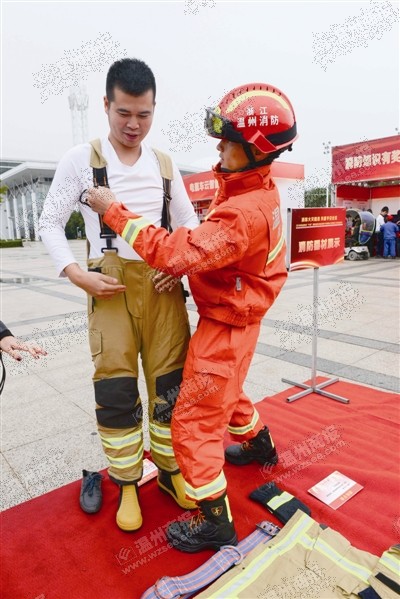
[132, 76]
[385, 209]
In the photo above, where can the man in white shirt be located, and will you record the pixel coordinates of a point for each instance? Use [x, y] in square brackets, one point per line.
[380, 220]
[128, 311]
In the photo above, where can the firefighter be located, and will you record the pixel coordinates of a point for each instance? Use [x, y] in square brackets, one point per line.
[235, 262]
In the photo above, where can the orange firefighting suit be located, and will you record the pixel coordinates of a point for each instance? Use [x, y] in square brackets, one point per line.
[235, 262]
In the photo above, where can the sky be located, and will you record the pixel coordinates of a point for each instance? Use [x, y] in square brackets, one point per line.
[336, 61]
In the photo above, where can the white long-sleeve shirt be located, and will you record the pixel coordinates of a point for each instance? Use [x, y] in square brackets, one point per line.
[379, 222]
[139, 187]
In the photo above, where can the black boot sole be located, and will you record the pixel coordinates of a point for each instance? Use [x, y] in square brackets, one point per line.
[200, 546]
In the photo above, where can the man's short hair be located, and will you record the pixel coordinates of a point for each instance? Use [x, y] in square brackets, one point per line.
[132, 76]
[385, 209]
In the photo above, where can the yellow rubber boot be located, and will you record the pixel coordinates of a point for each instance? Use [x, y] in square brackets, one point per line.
[129, 516]
[174, 485]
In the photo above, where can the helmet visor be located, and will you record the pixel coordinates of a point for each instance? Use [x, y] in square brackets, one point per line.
[218, 126]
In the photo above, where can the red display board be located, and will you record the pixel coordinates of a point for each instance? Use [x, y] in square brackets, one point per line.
[200, 186]
[372, 160]
[315, 237]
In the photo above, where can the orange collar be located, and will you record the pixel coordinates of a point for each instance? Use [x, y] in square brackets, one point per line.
[233, 184]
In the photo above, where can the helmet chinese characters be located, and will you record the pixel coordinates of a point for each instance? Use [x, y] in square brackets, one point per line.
[256, 113]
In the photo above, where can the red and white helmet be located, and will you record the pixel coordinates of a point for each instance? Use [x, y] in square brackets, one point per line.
[256, 113]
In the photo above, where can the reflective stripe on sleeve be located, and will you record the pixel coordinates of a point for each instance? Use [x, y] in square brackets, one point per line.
[275, 251]
[133, 228]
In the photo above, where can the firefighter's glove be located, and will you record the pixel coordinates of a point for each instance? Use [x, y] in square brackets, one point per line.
[280, 503]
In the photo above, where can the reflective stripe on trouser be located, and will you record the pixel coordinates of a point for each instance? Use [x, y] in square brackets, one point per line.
[139, 321]
[303, 560]
[210, 399]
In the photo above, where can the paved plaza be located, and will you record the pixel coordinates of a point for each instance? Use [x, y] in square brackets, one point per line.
[48, 427]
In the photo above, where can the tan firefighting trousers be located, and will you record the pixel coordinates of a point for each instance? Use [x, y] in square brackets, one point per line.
[154, 325]
[305, 561]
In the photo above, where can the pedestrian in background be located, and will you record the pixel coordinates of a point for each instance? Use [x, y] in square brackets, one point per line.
[380, 219]
[389, 232]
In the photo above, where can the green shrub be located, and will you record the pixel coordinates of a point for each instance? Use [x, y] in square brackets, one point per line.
[11, 243]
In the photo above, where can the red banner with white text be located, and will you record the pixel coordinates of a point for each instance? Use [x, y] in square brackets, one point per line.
[373, 160]
[315, 237]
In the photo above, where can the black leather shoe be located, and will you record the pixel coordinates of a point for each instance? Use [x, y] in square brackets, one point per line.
[91, 497]
[261, 449]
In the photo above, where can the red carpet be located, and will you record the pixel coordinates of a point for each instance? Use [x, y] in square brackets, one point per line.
[52, 550]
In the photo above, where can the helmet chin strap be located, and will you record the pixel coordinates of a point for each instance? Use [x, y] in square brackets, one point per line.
[252, 162]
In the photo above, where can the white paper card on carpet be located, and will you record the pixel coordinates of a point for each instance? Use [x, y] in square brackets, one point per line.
[335, 489]
[149, 471]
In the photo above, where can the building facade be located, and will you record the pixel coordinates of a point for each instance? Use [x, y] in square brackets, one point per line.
[28, 183]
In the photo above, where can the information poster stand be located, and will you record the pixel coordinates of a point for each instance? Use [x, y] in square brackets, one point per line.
[315, 237]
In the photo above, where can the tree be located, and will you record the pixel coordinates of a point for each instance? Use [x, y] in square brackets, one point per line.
[3, 191]
[315, 198]
[74, 225]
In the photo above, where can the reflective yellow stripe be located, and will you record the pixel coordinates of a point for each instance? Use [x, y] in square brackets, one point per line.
[257, 92]
[161, 449]
[337, 558]
[126, 461]
[218, 485]
[273, 253]
[252, 571]
[298, 535]
[160, 431]
[279, 500]
[119, 442]
[242, 430]
[133, 228]
[391, 562]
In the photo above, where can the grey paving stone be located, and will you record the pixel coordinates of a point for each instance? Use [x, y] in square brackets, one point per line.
[39, 419]
[12, 490]
[49, 463]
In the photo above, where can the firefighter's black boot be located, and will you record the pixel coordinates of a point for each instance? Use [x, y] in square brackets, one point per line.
[260, 449]
[211, 528]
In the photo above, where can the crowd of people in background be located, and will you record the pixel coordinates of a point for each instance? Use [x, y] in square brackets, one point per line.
[385, 242]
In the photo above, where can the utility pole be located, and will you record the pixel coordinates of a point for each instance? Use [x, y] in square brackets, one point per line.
[79, 103]
[328, 151]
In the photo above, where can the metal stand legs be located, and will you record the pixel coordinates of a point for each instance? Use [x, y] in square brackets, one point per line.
[314, 387]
